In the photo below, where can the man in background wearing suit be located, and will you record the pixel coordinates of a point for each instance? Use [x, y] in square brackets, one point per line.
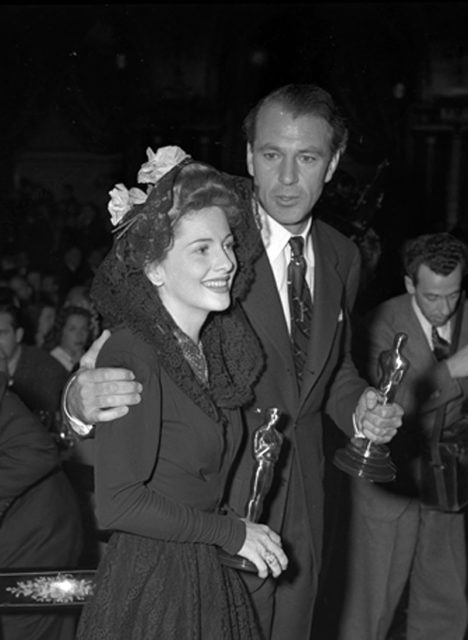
[393, 537]
[295, 138]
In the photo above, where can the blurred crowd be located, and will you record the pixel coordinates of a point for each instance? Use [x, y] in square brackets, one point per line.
[49, 252]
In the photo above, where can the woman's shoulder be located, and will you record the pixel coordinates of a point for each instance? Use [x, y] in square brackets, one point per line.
[125, 344]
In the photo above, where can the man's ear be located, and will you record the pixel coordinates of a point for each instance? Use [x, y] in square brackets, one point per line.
[250, 159]
[19, 334]
[155, 274]
[409, 284]
[332, 165]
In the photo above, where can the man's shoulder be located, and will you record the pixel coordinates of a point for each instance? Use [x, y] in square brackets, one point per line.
[337, 238]
[393, 309]
[125, 341]
[32, 355]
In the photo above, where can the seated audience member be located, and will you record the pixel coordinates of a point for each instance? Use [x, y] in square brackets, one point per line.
[35, 376]
[50, 287]
[395, 539]
[40, 525]
[79, 296]
[24, 297]
[45, 319]
[70, 336]
[68, 340]
[72, 269]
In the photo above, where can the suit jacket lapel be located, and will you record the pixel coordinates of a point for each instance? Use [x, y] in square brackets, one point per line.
[327, 308]
[264, 310]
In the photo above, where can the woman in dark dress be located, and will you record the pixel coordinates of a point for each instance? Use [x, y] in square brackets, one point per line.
[161, 470]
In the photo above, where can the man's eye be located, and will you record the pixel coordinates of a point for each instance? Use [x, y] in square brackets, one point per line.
[308, 159]
[270, 155]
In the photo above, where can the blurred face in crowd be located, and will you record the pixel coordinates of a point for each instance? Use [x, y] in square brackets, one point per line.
[34, 279]
[50, 286]
[75, 334]
[21, 287]
[290, 161]
[437, 296]
[10, 338]
[46, 319]
[78, 297]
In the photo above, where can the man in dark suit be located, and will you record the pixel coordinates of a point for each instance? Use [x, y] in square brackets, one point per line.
[34, 375]
[295, 138]
[40, 522]
[394, 539]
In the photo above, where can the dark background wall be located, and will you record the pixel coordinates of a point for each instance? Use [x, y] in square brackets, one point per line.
[86, 88]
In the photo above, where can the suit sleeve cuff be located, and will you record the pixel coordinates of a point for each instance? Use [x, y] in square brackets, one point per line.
[76, 425]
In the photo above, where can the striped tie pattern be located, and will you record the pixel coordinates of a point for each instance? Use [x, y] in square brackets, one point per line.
[440, 346]
[300, 304]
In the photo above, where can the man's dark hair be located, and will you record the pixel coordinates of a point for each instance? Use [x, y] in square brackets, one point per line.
[302, 100]
[441, 252]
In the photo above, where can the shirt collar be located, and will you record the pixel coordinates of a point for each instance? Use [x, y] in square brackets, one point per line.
[274, 236]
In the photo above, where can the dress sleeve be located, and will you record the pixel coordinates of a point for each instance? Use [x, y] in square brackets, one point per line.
[126, 454]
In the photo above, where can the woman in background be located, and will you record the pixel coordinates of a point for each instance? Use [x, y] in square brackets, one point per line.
[70, 336]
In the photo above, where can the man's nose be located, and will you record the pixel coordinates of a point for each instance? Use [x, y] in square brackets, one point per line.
[288, 171]
[444, 306]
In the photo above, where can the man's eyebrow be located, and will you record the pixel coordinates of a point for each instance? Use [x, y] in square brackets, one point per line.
[311, 150]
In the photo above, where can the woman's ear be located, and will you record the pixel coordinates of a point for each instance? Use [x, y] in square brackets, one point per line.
[155, 274]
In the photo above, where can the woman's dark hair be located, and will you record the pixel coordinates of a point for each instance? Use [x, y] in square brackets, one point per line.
[195, 187]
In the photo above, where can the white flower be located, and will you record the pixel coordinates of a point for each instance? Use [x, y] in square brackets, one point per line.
[160, 163]
[122, 200]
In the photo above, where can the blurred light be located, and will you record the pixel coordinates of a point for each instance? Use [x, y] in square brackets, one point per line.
[258, 57]
[121, 61]
[399, 90]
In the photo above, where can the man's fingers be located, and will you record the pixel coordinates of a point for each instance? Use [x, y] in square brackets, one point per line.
[107, 374]
[89, 358]
[106, 415]
[117, 401]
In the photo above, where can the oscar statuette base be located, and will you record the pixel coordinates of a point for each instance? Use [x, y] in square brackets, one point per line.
[364, 459]
[236, 562]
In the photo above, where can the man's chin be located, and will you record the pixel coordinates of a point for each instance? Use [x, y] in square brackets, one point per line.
[288, 216]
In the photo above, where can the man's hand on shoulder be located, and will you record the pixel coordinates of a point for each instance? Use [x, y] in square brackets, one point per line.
[102, 394]
[377, 421]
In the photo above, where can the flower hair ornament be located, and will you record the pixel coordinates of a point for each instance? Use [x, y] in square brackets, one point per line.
[157, 172]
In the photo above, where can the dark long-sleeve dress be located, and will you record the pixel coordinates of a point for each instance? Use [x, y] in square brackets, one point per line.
[160, 475]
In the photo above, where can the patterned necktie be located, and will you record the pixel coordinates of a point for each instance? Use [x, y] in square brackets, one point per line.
[441, 347]
[300, 304]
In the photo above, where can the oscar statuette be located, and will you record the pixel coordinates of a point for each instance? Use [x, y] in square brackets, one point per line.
[361, 457]
[266, 447]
